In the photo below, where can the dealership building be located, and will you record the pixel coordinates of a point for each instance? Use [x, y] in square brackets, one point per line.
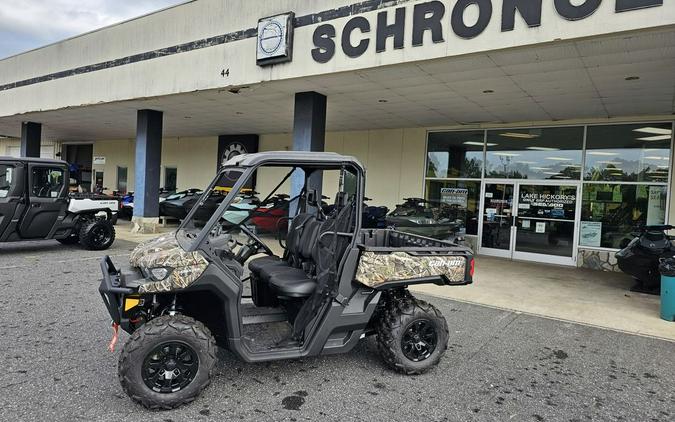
[547, 123]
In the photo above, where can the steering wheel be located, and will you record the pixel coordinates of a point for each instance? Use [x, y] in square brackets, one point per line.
[259, 243]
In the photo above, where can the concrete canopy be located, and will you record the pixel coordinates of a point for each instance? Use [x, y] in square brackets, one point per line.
[590, 72]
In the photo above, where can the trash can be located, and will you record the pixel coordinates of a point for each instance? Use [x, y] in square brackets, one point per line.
[667, 268]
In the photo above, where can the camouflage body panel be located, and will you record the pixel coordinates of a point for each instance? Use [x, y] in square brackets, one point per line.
[376, 269]
[165, 251]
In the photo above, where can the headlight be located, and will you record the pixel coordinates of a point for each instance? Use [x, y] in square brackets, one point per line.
[160, 273]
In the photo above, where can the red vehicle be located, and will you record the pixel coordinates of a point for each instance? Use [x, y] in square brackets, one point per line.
[273, 216]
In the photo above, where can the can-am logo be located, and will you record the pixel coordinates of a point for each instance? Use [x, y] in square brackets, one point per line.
[275, 39]
[433, 16]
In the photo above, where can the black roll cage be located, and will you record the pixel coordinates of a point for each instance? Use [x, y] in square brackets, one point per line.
[248, 170]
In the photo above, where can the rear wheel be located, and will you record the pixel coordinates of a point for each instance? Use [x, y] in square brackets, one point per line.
[412, 335]
[167, 362]
[97, 235]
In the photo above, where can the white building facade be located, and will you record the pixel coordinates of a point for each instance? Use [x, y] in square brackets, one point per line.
[547, 123]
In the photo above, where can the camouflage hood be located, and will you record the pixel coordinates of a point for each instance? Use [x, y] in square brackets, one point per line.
[164, 251]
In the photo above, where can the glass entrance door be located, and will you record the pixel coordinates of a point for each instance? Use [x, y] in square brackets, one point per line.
[545, 223]
[497, 220]
[530, 221]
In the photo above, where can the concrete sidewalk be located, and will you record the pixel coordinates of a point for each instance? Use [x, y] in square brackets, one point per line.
[123, 232]
[578, 295]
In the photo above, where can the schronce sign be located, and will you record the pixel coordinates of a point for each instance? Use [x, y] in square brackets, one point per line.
[433, 16]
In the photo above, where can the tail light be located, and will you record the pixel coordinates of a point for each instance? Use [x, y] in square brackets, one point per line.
[472, 267]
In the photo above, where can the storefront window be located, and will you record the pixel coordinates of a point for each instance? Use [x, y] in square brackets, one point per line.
[630, 153]
[544, 153]
[610, 212]
[455, 154]
[459, 200]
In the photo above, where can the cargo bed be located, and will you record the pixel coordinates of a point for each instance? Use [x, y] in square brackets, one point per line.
[390, 258]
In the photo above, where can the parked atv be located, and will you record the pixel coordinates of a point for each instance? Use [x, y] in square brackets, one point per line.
[35, 205]
[426, 218]
[174, 205]
[334, 284]
[273, 216]
[640, 258]
[374, 217]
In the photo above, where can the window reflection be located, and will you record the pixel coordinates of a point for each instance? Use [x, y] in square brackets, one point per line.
[631, 153]
[460, 198]
[455, 154]
[546, 153]
[610, 212]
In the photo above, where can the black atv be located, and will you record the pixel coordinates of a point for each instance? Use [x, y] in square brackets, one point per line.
[35, 205]
[334, 284]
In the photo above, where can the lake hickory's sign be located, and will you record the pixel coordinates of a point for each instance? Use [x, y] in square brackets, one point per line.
[432, 16]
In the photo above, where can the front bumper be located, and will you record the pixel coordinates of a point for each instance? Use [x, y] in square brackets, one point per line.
[114, 288]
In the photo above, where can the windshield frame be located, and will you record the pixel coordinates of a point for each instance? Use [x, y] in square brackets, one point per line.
[194, 244]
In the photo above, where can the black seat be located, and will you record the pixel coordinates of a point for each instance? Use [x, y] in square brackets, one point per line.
[293, 245]
[293, 283]
[304, 260]
[258, 264]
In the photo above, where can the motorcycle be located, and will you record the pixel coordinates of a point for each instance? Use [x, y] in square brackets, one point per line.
[640, 258]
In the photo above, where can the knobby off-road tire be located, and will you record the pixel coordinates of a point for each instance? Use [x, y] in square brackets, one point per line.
[399, 322]
[97, 234]
[157, 334]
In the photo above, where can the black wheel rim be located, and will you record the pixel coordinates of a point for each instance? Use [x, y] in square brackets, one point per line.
[419, 340]
[170, 367]
[101, 235]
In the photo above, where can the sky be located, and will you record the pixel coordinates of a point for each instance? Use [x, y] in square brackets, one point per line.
[28, 24]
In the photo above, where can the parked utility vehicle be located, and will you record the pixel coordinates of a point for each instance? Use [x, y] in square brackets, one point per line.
[35, 205]
[334, 284]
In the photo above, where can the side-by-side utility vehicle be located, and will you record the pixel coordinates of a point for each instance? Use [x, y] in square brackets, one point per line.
[333, 283]
[35, 205]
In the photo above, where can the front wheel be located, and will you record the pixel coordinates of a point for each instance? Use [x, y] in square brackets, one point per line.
[97, 234]
[167, 362]
[412, 335]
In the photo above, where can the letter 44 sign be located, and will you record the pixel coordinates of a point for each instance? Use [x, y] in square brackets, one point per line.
[275, 39]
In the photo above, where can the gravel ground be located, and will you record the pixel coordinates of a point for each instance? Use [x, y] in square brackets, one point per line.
[500, 365]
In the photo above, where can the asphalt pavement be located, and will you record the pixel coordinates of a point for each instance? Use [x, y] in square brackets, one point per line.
[500, 365]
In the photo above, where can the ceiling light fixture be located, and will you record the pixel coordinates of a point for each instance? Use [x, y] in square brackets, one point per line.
[602, 153]
[506, 154]
[542, 168]
[543, 149]
[558, 159]
[654, 130]
[518, 135]
[609, 163]
[479, 144]
[655, 157]
[655, 138]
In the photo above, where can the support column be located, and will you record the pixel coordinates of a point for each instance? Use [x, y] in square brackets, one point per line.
[148, 165]
[309, 134]
[31, 136]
